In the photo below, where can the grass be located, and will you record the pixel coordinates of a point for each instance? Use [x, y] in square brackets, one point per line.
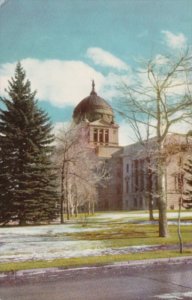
[90, 261]
[122, 235]
[111, 234]
[124, 216]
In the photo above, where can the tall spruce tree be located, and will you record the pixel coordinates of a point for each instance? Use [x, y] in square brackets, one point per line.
[187, 202]
[27, 180]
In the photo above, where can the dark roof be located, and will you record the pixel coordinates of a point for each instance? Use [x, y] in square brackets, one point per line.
[92, 104]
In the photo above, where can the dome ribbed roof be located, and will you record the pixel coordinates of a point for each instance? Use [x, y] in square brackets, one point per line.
[92, 108]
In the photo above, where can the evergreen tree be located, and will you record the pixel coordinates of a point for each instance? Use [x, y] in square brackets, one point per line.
[187, 202]
[27, 180]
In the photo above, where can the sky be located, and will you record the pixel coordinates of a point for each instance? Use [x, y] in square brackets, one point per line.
[64, 44]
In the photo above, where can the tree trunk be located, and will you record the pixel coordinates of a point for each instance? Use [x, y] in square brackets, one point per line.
[76, 210]
[22, 222]
[62, 193]
[66, 189]
[150, 203]
[161, 187]
[89, 208]
[68, 212]
[149, 189]
[62, 212]
[67, 198]
[162, 204]
[93, 208]
[179, 228]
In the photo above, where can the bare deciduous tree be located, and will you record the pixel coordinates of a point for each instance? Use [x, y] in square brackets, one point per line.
[67, 141]
[147, 150]
[162, 94]
[79, 169]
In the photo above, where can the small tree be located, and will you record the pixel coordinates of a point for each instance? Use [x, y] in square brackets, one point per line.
[66, 142]
[27, 180]
[161, 93]
[79, 171]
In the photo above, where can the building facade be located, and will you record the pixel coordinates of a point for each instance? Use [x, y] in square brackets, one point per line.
[132, 169]
[139, 172]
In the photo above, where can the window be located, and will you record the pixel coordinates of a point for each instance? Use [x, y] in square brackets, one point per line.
[132, 178]
[179, 181]
[141, 175]
[106, 136]
[101, 135]
[127, 168]
[136, 174]
[151, 180]
[95, 135]
[127, 187]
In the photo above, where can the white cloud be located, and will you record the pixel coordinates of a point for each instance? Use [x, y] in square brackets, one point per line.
[174, 41]
[2, 2]
[63, 82]
[106, 59]
[111, 86]
[59, 82]
[181, 126]
[126, 135]
[161, 59]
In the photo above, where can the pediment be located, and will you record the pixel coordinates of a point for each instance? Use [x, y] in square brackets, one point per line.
[101, 122]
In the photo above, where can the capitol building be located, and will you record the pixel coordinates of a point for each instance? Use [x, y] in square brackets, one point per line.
[133, 178]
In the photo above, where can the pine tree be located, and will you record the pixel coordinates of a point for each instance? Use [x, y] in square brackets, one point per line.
[27, 180]
[187, 202]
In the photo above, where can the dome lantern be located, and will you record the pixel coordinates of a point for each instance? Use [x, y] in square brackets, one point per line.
[93, 88]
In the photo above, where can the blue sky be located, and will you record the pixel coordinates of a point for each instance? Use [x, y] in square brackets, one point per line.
[64, 44]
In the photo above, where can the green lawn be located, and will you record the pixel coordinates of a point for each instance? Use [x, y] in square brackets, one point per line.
[90, 261]
[117, 236]
[124, 216]
[122, 235]
[114, 235]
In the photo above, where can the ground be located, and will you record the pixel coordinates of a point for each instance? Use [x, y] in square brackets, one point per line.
[115, 233]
